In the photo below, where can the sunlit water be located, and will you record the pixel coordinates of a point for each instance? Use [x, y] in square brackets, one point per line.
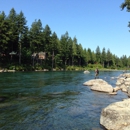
[53, 100]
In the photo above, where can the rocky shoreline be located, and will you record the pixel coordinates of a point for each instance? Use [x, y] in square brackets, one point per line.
[5, 70]
[115, 116]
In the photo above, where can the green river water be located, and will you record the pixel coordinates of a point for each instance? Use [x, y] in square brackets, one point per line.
[53, 100]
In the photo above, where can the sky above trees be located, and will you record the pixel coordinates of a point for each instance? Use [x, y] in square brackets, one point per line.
[94, 23]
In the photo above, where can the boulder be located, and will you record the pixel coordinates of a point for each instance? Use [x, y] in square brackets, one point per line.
[99, 85]
[86, 72]
[127, 82]
[102, 88]
[113, 93]
[116, 89]
[128, 91]
[127, 79]
[124, 88]
[95, 81]
[123, 83]
[126, 75]
[119, 81]
[116, 116]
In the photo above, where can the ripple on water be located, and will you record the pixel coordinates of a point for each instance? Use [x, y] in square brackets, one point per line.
[53, 101]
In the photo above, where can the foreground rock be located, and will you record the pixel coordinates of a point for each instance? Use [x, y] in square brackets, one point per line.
[99, 85]
[116, 116]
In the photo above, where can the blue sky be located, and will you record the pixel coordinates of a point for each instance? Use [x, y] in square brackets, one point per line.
[93, 22]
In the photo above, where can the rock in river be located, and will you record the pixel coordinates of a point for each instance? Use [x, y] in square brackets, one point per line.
[116, 116]
[99, 85]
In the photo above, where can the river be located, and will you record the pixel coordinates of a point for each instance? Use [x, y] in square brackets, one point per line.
[53, 100]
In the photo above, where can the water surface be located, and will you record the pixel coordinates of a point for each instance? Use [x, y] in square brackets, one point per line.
[53, 100]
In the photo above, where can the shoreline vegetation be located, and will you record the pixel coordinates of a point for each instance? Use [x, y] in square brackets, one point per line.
[24, 48]
[89, 67]
[69, 68]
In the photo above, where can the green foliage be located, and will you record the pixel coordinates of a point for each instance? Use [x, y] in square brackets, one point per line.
[38, 67]
[75, 68]
[95, 66]
[60, 54]
[70, 68]
[19, 68]
[36, 36]
[12, 67]
[126, 4]
[98, 54]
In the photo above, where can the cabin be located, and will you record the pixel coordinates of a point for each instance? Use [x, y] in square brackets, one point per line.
[41, 55]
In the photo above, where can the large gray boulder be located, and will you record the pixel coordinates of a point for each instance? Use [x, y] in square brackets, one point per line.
[102, 88]
[94, 81]
[99, 85]
[116, 116]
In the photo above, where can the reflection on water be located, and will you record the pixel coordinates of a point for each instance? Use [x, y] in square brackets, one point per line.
[52, 100]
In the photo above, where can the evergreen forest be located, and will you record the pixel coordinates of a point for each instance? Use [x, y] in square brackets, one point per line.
[38, 48]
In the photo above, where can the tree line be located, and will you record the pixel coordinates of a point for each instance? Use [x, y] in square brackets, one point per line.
[21, 46]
